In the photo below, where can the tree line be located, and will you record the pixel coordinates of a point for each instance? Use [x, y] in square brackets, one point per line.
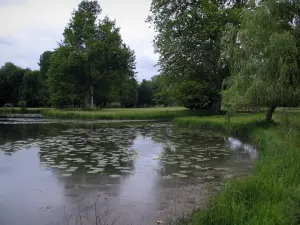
[241, 53]
[91, 66]
[222, 53]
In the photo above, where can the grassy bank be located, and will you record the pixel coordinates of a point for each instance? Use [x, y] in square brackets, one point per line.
[271, 194]
[119, 114]
[15, 110]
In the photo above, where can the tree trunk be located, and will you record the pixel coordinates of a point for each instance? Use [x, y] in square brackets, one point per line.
[86, 100]
[270, 113]
[92, 97]
[216, 106]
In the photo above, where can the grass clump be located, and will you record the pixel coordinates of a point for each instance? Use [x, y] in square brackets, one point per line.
[271, 194]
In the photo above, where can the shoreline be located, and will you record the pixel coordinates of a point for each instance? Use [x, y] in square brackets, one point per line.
[269, 195]
[159, 113]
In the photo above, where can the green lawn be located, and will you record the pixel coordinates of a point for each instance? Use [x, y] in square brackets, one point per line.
[271, 194]
[130, 113]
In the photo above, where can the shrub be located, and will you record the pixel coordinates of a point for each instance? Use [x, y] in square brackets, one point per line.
[22, 105]
[115, 105]
[8, 105]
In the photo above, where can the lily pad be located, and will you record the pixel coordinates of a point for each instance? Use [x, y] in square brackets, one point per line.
[179, 175]
[66, 175]
[115, 175]
[228, 176]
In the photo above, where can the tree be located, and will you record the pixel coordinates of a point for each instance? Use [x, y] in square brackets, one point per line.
[189, 43]
[97, 60]
[145, 93]
[11, 78]
[161, 92]
[44, 64]
[30, 88]
[129, 93]
[64, 78]
[264, 59]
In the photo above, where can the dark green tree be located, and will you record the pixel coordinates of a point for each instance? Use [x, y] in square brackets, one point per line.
[129, 93]
[97, 60]
[64, 78]
[30, 88]
[189, 35]
[11, 79]
[44, 64]
[162, 93]
[145, 94]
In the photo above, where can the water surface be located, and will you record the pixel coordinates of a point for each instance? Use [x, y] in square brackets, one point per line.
[71, 173]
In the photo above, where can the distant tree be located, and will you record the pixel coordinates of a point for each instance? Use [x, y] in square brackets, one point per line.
[129, 94]
[265, 57]
[11, 79]
[96, 60]
[145, 93]
[162, 93]
[44, 64]
[64, 78]
[30, 88]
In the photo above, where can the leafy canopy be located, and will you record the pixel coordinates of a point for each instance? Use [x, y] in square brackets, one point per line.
[264, 59]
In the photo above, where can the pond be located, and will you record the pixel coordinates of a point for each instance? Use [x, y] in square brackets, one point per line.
[66, 172]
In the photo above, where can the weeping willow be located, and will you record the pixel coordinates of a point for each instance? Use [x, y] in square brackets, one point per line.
[264, 58]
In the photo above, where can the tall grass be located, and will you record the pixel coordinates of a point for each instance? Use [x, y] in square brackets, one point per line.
[121, 114]
[271, 194]
[15, 110]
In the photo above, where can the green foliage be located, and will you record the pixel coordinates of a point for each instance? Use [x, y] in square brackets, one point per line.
[189, 43]
[115, 105]
[264, 58]
[129, 93]
[161, 91]
[11, 78]
[22, 104]
[145, 93]
[44, 64]
[96, 62]
[30, 88]
[193, 94]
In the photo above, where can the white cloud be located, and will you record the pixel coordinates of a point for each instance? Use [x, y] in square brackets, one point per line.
[30, 27]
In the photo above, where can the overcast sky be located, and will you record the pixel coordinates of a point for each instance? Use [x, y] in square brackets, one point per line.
[30, 27]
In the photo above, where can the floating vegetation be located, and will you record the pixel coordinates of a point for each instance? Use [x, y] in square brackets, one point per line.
[179, 175]
[111, 151]
[115, 175]
[66, 175]
[210, 177]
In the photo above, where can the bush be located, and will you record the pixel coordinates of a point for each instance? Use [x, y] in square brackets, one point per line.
[8, 105]
[22, 105]
[115, 105]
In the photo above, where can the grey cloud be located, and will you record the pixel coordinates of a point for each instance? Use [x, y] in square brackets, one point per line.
[5, 41]
[11, 2]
